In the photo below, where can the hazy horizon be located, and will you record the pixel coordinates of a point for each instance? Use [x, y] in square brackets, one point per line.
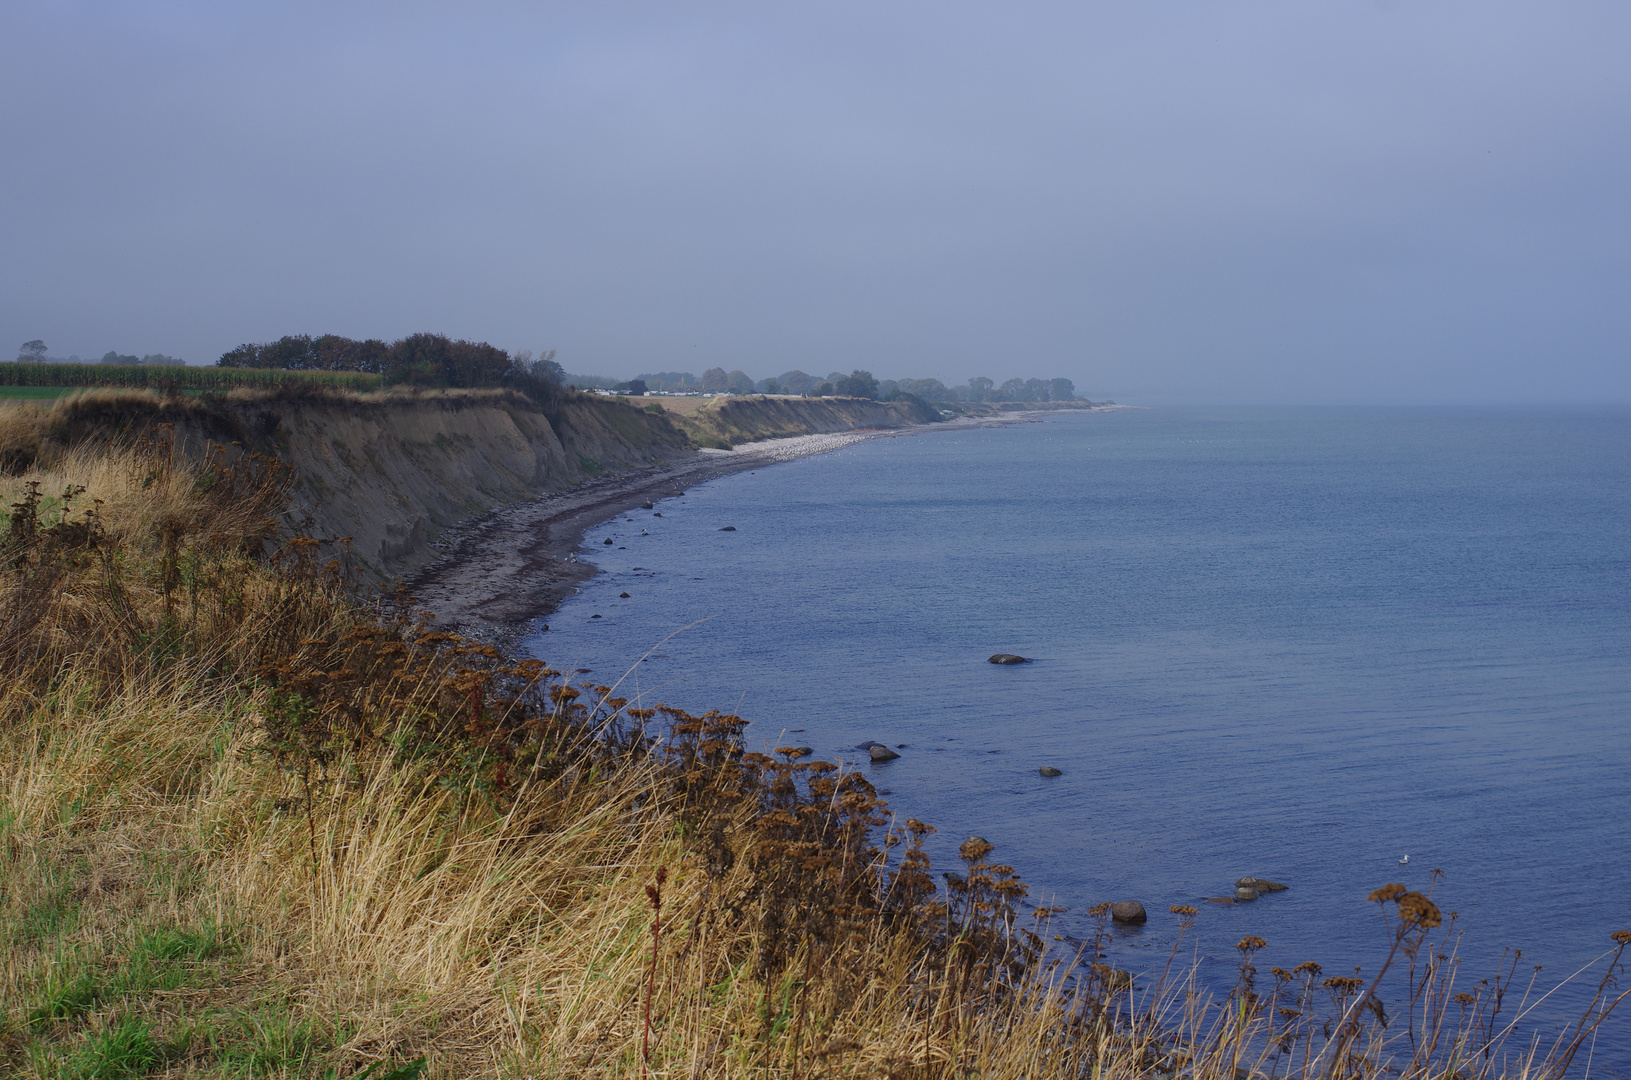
[1381, 203]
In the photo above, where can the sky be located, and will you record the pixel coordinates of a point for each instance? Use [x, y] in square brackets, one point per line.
[1376, 201]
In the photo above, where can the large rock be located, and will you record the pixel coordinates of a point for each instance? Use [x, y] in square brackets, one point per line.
[1128, 911]
[1243, 893]
[1008, 658]
[1262, 885]
[1049, 770]
[882, 753]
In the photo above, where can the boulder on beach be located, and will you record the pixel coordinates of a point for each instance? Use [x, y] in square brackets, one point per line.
[1262, 885]
[1128, 911]
[882, 753]
[1008, 658]
[1244, 893]
[658, 514]
[1049, 770]
[608, 540]
[622, 596]
[646, 506]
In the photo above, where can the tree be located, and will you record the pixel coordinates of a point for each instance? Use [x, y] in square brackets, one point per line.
[636, 388]
[797, 382]
[737, 382]
[927, 389]
[1061, 390]
[857, 383]
[979, 387]
[1011, 390]
[821, 390]
[772, 386]
[714, 380]
[31, 351]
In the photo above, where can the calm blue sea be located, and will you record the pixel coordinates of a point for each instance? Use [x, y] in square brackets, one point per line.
[1293, 643]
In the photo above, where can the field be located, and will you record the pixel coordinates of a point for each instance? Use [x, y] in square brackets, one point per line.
[61, 377]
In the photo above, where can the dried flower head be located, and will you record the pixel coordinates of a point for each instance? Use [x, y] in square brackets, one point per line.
[1416, 909]
[1182, 909]
[975, 848]
[1250, 943]
[1307, 967]
[1386, 893]
[1621, 937]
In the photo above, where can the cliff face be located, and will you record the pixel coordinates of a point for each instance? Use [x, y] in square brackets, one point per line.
[392, 470]
[726, 421]
[392, 474]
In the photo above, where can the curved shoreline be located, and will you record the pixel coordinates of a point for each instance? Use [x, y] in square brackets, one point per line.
[500, 573]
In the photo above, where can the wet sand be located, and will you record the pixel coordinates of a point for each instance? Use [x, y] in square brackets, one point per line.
[499, 574]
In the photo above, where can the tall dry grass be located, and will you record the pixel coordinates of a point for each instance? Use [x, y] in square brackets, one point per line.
[250, 826]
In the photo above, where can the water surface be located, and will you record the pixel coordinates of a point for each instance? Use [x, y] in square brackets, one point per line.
[1299, 644]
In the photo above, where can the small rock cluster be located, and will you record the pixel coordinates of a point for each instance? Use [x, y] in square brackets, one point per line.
[1247, 889]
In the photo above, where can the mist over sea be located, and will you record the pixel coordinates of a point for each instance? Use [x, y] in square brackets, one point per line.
[1292, 643]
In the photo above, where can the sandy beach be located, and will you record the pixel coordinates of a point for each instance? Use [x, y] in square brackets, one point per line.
[499, 574]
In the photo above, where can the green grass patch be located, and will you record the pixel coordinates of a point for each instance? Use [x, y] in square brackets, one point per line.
[34, 393]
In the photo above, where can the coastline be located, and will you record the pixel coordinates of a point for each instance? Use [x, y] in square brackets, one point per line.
[500, 573]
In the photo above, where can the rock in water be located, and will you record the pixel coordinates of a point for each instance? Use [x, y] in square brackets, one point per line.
[1262, 885]
[1008, 658]
[645, 506]
[1049, 770]
[1218, 899]
[607, 540]
[882, 753]
[622, 596]
[728, 528]
[1128, 911]
[869, 744]
[1244, 893]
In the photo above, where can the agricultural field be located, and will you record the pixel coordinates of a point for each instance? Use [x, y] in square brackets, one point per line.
[53, 380]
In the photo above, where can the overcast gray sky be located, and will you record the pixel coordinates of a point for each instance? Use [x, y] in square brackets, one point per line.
[1164, 201]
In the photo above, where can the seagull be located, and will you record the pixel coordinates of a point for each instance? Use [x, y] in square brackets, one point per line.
[1404, 860]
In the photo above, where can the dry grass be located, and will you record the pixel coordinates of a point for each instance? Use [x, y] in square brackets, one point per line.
[250, 828]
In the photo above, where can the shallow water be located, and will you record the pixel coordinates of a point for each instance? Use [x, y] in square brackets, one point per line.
[1298, 644]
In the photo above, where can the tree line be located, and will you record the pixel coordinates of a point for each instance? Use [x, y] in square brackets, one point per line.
[417, 360]
[856, 384]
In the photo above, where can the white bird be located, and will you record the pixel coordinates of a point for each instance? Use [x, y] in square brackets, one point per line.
[1404, 860]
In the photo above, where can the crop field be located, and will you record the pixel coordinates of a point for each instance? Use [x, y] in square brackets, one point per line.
[53, 380]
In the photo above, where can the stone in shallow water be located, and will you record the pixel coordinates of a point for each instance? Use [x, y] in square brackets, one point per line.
[1128, 911]
[882, 753]
[1008, 658]
[1262, 885]
[1245, 894]
[1049, 770]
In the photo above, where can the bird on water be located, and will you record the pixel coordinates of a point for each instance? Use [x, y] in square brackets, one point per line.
[1404, 860]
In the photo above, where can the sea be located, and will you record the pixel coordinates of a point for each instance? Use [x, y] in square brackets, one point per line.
[1302, 644]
